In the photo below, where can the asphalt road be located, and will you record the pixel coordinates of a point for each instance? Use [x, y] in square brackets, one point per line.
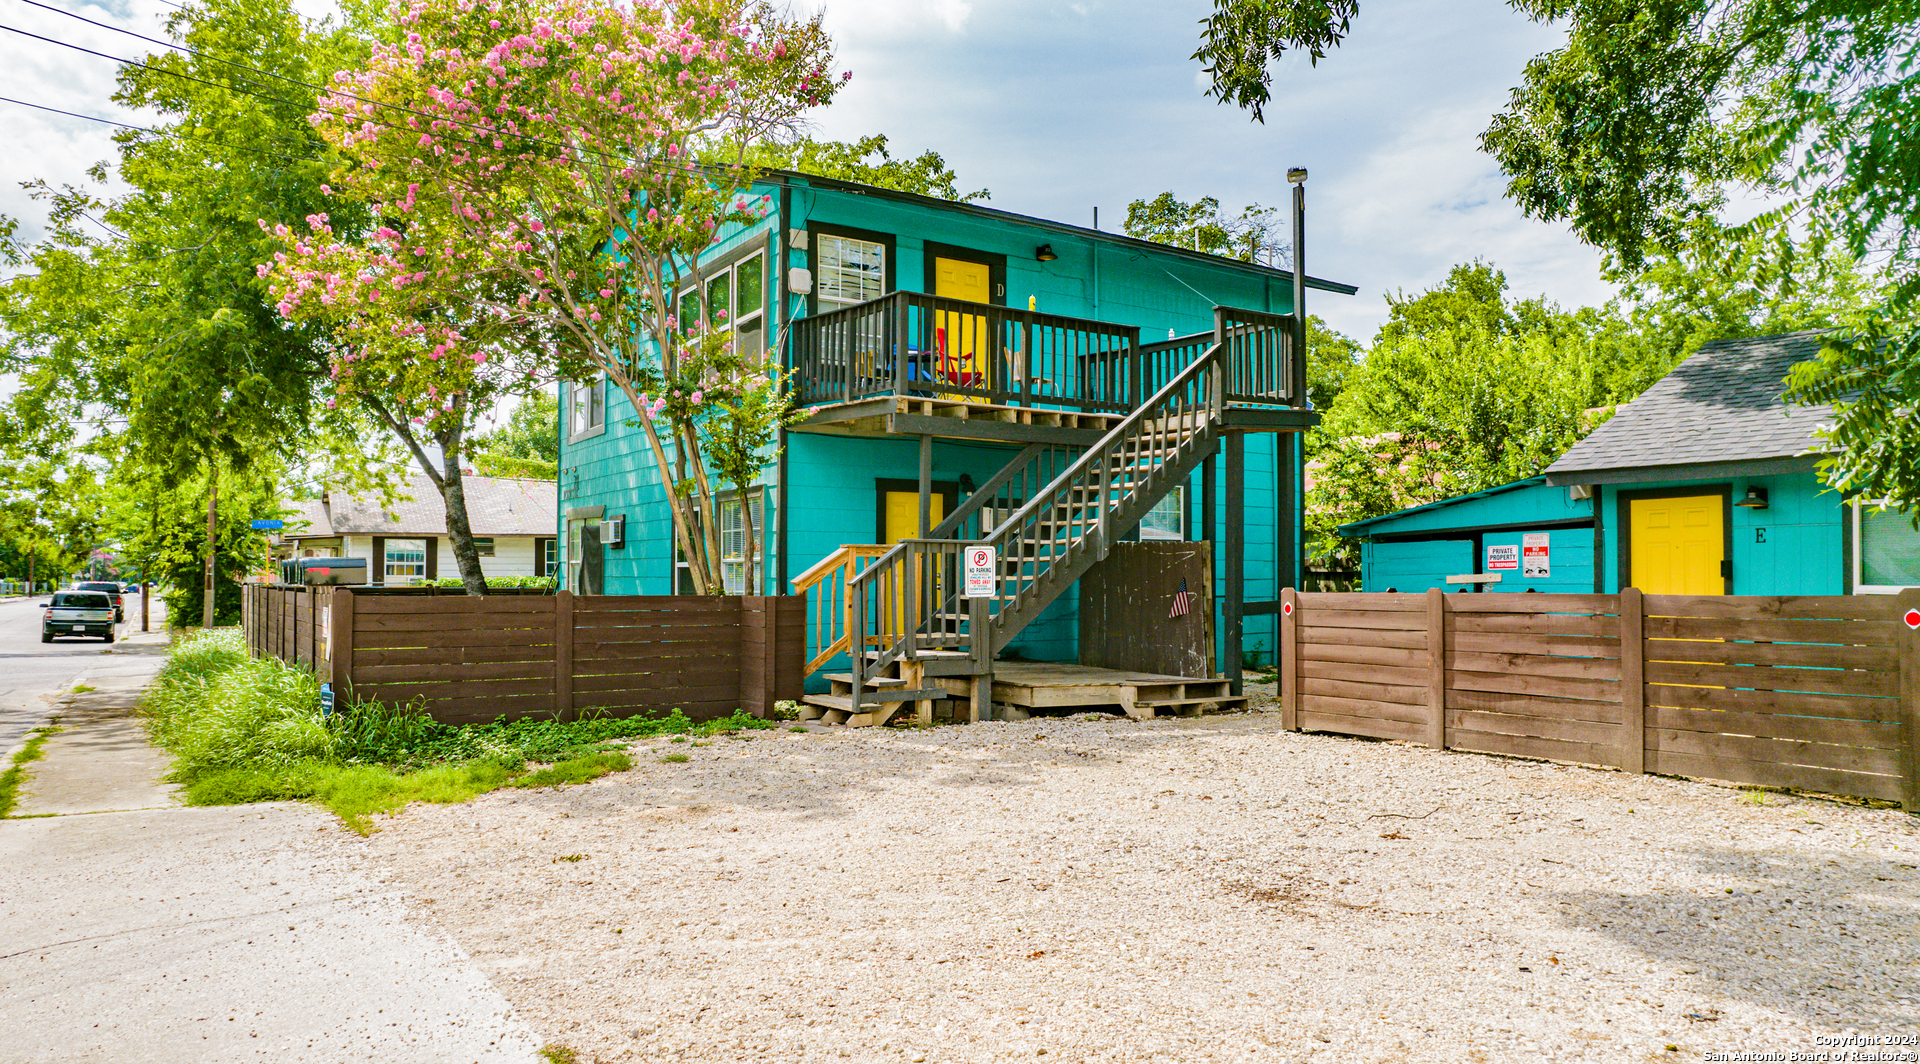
[30, 670]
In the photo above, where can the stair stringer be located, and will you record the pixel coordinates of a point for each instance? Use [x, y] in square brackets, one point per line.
[1033, 600]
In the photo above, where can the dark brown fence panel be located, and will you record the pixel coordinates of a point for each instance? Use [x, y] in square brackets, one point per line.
[1818, 693]
[648, 653]
[465, 660]
[773, 650]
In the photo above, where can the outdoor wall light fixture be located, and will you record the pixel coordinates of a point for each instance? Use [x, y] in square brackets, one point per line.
[1756, 499]
[1296, 174]
[1045, 253]
[966, 483]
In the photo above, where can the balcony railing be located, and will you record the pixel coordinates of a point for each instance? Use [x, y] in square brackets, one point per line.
[913, 344]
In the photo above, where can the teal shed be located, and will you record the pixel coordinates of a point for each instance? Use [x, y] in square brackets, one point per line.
[955, 360]
[1707, 484]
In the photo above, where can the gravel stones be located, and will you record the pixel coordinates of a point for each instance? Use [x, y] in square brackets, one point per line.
[1212, 889]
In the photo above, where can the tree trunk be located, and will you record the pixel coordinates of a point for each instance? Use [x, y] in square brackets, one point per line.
[459, 528]
[213, 532]
[750, 541]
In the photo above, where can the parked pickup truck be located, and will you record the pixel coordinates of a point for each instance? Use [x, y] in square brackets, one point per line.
[77, 613]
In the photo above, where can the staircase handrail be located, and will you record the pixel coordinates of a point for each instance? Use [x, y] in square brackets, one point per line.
[1209, 360]
[846, 563]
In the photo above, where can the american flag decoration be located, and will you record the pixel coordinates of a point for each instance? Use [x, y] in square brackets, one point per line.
[1182, 602]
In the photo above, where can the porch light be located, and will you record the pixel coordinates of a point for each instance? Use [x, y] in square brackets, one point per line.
[1756, 499]
[1045, 253]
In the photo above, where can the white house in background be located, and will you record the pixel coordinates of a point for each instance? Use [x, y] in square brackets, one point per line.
[513, 525]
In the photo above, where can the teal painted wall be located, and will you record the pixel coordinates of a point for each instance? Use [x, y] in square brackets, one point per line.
[1796, 546]
[831, 478]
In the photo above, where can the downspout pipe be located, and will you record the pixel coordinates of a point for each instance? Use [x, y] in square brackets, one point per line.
[1297, 176]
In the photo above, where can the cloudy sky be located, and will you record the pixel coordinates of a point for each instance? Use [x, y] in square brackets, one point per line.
[1059, 106]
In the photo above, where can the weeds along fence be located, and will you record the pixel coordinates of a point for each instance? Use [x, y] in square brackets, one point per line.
[531, 653]
[1816, 693]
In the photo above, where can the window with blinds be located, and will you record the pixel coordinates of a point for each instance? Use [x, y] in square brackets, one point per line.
[733, 544]
[849, 271]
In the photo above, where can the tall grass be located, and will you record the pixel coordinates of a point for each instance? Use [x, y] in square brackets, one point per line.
[245, 729]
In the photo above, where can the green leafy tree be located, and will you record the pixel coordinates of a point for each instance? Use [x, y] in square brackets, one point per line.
[1253, 235]
[867, 161]
[1634, 131]
[527, 446]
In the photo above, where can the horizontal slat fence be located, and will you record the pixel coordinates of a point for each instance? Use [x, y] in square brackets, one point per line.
[476, 659]
[1817, 693]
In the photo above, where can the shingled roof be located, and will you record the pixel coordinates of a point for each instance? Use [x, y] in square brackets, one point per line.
[496, 506]
[1719, 413]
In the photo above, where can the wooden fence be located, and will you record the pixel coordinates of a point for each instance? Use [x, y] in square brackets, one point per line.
[1820, 694]
[468, 659]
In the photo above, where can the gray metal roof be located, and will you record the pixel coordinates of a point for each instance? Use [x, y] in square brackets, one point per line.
[1721, 406]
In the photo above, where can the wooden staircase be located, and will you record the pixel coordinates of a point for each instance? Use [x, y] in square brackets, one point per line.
[1050, 514]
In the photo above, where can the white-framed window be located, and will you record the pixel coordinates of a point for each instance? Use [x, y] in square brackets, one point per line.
[736, 299]
[850, 270]
[1886, 551]
[586, 407]
[483, 546]
[406, 561]
[551, 550]
[733, 543]
[1167, 519]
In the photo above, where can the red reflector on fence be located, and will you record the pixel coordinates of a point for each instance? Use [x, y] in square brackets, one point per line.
[1912, 618]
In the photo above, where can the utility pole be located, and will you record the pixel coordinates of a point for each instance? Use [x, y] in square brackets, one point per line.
[213, 513]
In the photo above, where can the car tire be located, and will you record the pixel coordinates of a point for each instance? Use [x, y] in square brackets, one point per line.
[108, 637]
[46, 637]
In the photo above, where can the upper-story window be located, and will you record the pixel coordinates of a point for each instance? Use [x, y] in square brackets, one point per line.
[736, 299]
[850, 270]
[586, 407]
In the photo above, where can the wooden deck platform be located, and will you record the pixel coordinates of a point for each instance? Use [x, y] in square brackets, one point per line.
[1047, 684]
[907, 415]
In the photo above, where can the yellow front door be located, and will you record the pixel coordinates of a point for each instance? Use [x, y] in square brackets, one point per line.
[1677, 545]
[962, 345]
[903, 522]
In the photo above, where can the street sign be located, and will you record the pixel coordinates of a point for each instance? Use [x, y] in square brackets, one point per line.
[982, 571]
[269, 526]
[326, 700]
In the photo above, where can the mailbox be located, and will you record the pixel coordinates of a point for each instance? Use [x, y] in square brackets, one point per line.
[318, 572]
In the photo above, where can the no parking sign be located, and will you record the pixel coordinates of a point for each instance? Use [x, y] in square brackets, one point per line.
[981, 565]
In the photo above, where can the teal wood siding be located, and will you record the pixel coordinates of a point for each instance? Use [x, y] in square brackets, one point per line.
[1498, 517]
[1413, 565]
[1796, 546]
[831, 479]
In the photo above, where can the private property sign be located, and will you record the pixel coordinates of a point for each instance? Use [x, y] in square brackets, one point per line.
[980, 565]
[1502, 556]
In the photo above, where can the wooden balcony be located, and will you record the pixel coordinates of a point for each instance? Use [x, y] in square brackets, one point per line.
[918, 365]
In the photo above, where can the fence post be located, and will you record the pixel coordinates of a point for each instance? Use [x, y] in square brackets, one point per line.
[1289, 659]
[1437, 668]
[1907, 638]
[341, 665]
[1633, 682]
[562, 655]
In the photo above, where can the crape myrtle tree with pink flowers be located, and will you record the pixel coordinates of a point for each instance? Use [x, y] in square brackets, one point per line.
[531, 169]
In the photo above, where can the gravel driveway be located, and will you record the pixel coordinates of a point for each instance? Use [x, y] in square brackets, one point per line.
[1211, 889]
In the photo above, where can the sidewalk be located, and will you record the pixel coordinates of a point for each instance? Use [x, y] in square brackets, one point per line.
[133, 929]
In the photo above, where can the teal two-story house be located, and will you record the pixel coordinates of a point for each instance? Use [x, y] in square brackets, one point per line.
[961, 367]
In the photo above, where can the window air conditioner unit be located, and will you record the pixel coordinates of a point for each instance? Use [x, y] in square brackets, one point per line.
[613, 531]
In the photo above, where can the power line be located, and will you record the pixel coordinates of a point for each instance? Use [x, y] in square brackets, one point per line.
[489, 131]
[143, 129]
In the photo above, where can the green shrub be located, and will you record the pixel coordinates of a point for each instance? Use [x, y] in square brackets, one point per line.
[245, 729]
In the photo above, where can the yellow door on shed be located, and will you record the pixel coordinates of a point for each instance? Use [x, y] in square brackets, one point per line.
[963, 345]
[1677, 545]
[903, 522]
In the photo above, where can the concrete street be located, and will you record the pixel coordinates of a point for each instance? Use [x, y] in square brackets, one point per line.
[31, 672]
